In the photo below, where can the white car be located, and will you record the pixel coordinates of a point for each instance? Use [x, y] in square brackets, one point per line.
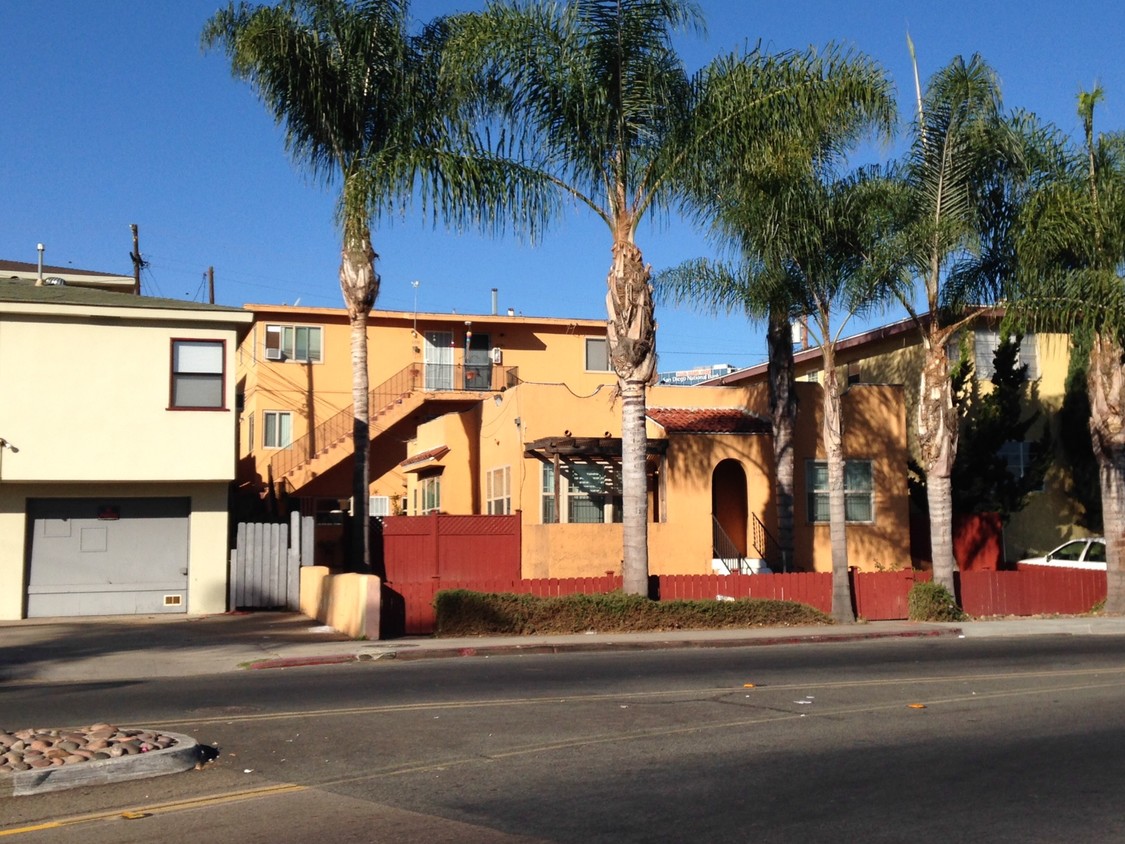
[1088, 553]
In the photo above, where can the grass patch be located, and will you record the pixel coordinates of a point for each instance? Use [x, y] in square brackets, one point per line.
[930, 601]
[461, 612]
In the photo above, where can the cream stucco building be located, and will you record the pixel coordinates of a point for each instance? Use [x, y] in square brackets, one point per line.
[117, 449]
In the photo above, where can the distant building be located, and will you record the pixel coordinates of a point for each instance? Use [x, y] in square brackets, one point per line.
[687, 377]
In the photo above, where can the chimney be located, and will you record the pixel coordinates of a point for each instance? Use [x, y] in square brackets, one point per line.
[494, 301]
[39, 280]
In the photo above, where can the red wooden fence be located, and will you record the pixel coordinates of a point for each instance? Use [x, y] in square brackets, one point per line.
[812, 588]
[879, 596]
[425, 554]
[1031, 591]
[884, 595]
[419, 597]
[419, 548]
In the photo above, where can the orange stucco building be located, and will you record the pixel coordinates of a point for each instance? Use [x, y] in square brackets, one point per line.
[295, 388]
[499, 413]
[710, 475]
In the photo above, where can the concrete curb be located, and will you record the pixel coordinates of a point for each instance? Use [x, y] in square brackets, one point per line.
[181, 756]
[538, 648]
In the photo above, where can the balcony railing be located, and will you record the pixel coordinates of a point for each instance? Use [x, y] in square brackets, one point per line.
[424, 378]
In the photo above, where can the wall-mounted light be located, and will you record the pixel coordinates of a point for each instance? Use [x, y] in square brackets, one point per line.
[4, 444]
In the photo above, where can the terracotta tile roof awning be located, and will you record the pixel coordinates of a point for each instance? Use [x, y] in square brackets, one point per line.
[708, 420]
[424, 459]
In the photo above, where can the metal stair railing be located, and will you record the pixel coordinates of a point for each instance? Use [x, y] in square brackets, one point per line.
[383, 398]
[341, 425]
[764, 543]
[724, 549]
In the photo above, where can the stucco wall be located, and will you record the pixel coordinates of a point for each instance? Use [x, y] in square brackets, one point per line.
[874, 429]
[460, 486]
[208, 538]
[113, 421]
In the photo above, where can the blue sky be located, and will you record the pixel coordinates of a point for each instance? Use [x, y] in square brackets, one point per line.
[112, 115]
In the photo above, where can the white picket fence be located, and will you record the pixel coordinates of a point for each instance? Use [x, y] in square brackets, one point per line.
[265, 564]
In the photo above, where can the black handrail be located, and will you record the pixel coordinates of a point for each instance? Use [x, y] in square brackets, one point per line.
[428, 378]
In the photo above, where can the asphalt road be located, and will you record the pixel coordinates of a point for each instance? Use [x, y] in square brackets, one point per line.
[899, 740]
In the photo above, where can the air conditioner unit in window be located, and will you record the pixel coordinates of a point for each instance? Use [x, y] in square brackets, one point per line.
[379, 505]
[274, 354]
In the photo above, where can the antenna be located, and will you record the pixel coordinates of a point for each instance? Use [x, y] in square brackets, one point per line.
[415, 284]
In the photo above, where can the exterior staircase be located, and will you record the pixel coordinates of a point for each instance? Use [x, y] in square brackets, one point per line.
[330, 442]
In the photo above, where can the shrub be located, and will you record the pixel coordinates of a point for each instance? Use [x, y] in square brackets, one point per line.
[463, 613]
[932, 602]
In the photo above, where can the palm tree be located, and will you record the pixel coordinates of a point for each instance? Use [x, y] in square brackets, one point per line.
[609, 111]
[1071, 251]
[821, 246]
[955, 243]
[359, 101]
[854, 97]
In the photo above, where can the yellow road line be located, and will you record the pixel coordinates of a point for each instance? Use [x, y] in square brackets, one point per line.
[163, 808]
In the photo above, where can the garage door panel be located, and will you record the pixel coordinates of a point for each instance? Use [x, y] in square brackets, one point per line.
[108, 556]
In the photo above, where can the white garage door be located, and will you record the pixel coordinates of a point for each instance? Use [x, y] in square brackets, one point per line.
[107, 556]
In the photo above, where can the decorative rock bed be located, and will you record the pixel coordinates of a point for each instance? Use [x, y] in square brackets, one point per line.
[25, 750]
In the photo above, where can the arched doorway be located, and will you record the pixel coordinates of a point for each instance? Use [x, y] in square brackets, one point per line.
[729, 506]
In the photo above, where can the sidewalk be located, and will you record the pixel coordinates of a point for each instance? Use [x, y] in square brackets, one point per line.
[128, 647]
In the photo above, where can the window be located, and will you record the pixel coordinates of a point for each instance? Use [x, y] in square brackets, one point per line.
[597, 358]
[278, 425]
[985, 343]
[859, 491]
[197, 374]
[497, 494]
[301, 343]
[1018, 455]
[588, 494]
[431, 494]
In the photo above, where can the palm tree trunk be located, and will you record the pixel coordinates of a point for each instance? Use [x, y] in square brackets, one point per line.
[832, 432]
[1106, 386]
[360, 286]
[937, 446]
[783, 416]
[631, 335]
[634, 489]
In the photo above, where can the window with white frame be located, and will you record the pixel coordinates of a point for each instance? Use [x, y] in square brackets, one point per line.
[277, 428]
[597, 356]
[859, 491]
[300, 343]
[1018, 455]
[198, 375]
[431, 493]
[985, 343]
[498, 491]
[589, 493]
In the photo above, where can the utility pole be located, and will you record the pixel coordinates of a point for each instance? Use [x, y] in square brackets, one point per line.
[137, 262]
[211, 285]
